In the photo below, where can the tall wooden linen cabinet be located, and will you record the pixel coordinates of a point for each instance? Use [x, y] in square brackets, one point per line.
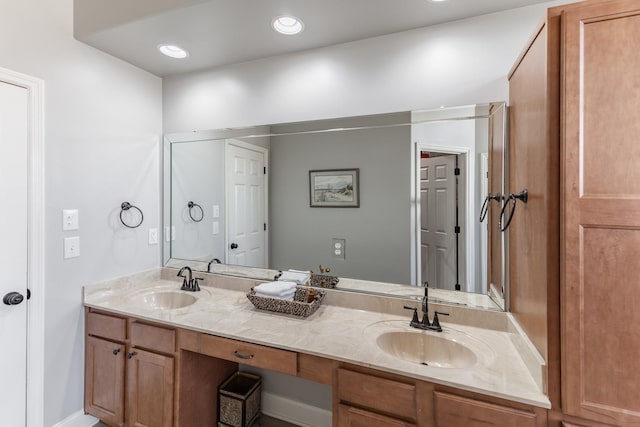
[575, 144]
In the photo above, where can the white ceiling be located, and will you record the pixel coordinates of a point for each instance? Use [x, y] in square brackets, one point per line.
[222, 32]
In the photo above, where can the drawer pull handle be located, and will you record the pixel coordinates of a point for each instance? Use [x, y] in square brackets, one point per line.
[242, 356]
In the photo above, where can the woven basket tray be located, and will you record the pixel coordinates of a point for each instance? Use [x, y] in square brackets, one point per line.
[324, 281]
[298, 307]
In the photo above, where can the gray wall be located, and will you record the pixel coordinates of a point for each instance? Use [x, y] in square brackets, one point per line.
[377, 233]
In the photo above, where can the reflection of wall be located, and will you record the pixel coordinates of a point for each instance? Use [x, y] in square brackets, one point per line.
[197, 175]
[377, 234]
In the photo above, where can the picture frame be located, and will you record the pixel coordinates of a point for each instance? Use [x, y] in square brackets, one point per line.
[334, 188]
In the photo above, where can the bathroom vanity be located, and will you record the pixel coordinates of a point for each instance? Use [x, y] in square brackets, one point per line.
[161, 366]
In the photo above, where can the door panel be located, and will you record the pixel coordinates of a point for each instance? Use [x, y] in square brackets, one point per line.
[437, 217]
[150, 383]
[246, 219]
[13, 250]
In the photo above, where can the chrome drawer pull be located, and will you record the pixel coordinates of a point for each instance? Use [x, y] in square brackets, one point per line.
[242, 356]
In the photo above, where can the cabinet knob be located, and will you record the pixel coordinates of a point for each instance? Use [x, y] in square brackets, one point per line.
[130, 355]
[116, 351]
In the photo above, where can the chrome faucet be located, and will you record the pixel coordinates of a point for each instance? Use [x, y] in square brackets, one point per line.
[190, 284]
[425, 323]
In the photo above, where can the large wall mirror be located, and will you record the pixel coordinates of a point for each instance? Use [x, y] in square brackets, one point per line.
[386, 203]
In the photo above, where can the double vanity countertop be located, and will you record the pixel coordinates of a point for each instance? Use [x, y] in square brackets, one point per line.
[334, 332]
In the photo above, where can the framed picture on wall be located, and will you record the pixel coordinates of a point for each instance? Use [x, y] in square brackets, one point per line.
[334, 188]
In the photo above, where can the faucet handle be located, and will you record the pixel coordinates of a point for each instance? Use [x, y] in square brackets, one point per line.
[414, 320]
[436, 322]
[195, 287]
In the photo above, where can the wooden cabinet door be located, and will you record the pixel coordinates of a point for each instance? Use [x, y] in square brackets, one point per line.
[149, 389]
[600, 239]
[104, 380]
[349, 416]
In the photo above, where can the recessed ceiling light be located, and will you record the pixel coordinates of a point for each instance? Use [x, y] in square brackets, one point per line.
[173, 51]
[287, 24]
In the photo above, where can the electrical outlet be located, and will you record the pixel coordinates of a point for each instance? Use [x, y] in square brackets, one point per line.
[70, 220]
[216, 211]
[216, 227]
[338, 248]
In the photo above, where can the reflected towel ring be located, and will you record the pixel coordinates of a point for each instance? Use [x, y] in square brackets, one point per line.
[192, 205]
[125, 206]
[522, 196]
[485, 206]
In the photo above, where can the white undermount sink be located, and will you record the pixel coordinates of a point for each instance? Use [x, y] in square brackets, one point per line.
[166, 300]
[427, 349]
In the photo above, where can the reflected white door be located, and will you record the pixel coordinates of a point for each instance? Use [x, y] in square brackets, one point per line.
[246, 205]
[437, 221]
[13, 252]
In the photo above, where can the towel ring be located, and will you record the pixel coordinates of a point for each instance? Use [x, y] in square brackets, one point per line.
[125, 206]
[523, 196]
[192, 205]
[485, 206]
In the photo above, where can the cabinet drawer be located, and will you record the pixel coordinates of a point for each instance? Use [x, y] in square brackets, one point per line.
[153, 337]
[354, 417]
[250, 354]
[380, 394]
[109, 327]
[452, 410]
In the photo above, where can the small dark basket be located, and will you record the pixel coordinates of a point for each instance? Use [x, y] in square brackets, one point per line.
[298, 307]
[239, 398]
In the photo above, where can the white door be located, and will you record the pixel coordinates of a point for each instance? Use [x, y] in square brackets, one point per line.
[13, 252]
[246, 205]
[438, 221]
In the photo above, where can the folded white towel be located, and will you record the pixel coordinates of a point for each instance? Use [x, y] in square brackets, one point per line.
[277, 288]
[298, 276]
[285, 297]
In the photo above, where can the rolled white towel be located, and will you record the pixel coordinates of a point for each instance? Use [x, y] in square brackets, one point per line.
[277, 288]
[285, 297]
[298, 276]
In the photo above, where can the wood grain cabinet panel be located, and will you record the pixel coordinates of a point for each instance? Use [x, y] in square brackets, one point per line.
[149, 389]
[452, 411]
[380, 394]
[104, 380]
[110, 327]
[153, 337]
[349, 416]
[601, 212]
[251, 354]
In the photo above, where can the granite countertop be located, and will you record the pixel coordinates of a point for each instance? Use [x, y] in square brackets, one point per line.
[334, 332]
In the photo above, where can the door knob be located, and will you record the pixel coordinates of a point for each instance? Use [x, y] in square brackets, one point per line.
[13, 298]
[234, 246]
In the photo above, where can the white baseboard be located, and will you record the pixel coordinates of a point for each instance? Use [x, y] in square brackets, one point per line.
[77, 419]
[295, 412]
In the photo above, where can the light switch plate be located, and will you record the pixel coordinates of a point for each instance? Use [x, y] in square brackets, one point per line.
[71, 247]
[70, 220]
[153, 236]
[216, 227]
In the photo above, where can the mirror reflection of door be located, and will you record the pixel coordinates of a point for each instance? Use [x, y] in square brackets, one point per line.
[439, 223]
[246, 187]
